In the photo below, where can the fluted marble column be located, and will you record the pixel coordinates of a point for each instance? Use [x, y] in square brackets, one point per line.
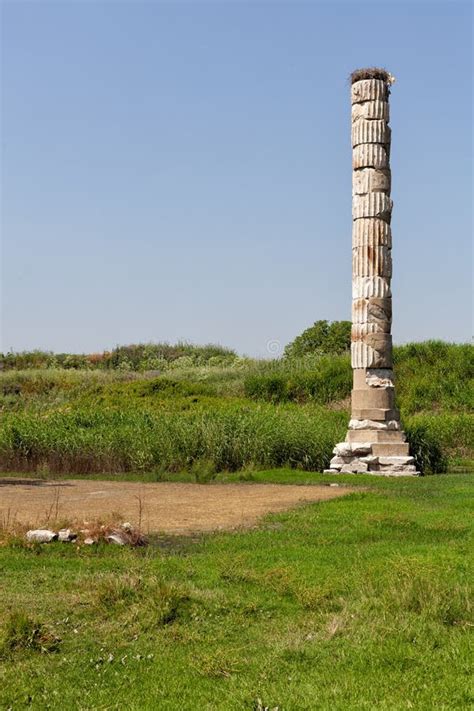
[374, 442]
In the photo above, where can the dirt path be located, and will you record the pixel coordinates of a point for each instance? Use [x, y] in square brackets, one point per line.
[163, 507]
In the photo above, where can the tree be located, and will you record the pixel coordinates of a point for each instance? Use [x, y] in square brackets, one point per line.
[321, 337]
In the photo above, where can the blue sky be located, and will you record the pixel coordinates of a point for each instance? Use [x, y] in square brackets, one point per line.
[183, 170]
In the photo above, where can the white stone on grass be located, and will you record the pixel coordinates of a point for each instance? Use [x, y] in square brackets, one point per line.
[41, 535]
[66, 535]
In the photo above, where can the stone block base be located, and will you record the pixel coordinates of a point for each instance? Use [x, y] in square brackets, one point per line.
[373, 456]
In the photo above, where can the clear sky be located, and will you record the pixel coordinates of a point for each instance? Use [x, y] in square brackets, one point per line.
[182, 170]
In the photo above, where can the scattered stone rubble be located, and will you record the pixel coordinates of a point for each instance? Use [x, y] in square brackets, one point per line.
[123, 535]
[375, 442]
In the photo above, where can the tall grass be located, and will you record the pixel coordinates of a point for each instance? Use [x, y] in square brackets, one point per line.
[321, 379]
[229, 439]
[434, 375]
[430, 375]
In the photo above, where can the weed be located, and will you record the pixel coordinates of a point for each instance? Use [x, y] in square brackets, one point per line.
[22, 632]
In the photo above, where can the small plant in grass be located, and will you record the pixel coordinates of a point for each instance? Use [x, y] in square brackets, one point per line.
[22, 632]
[113, 590]
[170, 603]
[216, 665]
[204, 471]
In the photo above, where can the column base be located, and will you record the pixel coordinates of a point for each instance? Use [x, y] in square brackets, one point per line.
[373, 454]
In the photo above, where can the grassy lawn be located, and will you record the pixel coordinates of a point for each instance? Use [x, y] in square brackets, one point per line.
[357, 603]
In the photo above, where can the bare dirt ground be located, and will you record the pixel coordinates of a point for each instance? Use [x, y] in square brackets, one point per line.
[161, 507]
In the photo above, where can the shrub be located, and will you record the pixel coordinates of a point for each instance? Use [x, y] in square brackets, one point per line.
[426, 449]
[321, 337]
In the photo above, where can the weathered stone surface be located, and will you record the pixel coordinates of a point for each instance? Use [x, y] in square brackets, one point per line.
[370, 459]
[398, 470]
[371, 110]
[364, 356]
[89, 541]
[370, 350]
[409, 470]
[369, 287]
[372, 205]
[375, 413]
[396, 460]
[41, 535]
[378, 341]
[361, 448]
[379, 378]
[357, 466]
[361, 331]
[371, 155]
[372, 311]
[358, 329]
[371, 232]
[373, 425]
[338, 462]
[379, 310]
[369, 90]
[377, 131]
[374, 397]
[373, 436]
[117, 538]
[343, 449]
[371, 261]
[370, 180]
[390, 449]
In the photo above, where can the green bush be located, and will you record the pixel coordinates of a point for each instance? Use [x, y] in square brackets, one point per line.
[426, 449]
[322, 337]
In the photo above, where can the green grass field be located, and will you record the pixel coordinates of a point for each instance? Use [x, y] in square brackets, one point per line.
[363, 602]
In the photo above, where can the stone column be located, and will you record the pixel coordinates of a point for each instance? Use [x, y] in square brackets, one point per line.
[375, 442]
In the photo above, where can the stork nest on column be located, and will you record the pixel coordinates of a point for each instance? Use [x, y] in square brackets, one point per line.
[372, 73]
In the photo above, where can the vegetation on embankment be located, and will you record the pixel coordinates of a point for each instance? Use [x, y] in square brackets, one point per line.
[363, 602]
[245, 415]
[138, 357]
